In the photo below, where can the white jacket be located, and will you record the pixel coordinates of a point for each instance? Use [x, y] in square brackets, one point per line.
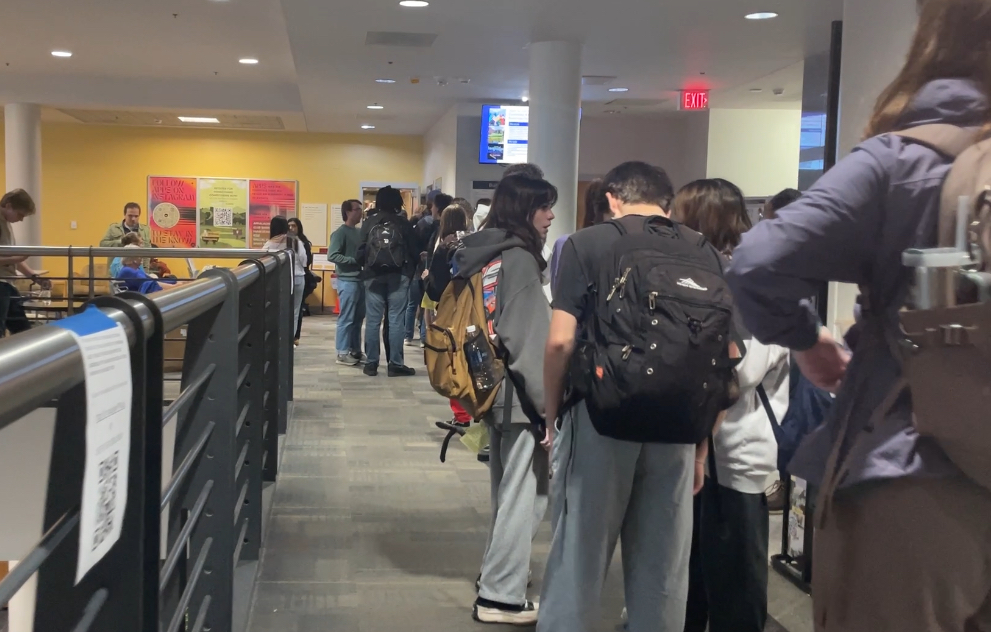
[480, 214]
[745, 448]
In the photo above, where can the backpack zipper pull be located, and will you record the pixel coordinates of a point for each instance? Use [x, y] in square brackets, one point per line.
[652, 300]
[627, 351]
[622, 282]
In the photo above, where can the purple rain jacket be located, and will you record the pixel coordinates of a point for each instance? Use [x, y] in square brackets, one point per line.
[852, 226]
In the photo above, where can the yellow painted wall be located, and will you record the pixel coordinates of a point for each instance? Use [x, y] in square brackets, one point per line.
[90, 172]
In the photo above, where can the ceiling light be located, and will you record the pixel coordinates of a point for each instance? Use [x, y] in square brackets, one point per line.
[250, 61]
[376, 106]
[385, 81]
[756, 89]
[61, 53]
[761, 15]
[367, 127]
[199, 119]
[619, 89]
[414, 4]
[612, 112]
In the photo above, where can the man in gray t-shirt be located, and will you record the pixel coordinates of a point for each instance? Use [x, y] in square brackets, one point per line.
[14, 207]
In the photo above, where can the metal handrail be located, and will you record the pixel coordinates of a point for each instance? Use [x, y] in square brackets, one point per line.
[144, 253]
[43, 362]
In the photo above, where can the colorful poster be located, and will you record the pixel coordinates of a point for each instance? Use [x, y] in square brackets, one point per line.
[223, 213]
[172, 211]
[267, 199]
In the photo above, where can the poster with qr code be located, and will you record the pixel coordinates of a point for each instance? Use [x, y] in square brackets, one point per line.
[107, 368]
[222, 205]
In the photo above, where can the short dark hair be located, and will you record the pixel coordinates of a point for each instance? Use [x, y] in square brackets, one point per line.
[278, 226]
[527, 169]
[716, 208]
[783, 199]
[346, 207]
[19, 200]
[517, 199]
[389, 199]
[132, 205]
[639, 183]
[130, 238]
[485, 201]
[442, 201]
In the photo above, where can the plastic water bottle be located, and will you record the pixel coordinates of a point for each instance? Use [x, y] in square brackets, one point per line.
[479, 356]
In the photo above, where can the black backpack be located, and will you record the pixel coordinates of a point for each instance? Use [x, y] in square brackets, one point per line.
[652, 362]
[386, 246]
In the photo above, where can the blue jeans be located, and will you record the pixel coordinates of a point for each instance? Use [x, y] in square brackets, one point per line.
[415, 298]
[351, 298]
[386, 295]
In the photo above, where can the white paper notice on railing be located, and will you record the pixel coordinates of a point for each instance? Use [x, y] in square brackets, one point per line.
[107, 368]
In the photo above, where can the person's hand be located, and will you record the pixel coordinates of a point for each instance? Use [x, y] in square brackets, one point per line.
[424, 275]
[548, 441]
[699, 477]
[825, 363]
[45, 284]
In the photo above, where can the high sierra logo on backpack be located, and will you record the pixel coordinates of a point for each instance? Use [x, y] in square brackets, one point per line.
[653, 359]
[386, 250]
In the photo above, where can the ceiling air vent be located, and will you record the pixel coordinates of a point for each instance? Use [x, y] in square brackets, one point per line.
[165, 119]
[402, 40]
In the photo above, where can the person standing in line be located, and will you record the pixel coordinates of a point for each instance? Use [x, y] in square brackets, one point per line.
[728, 568]
[638, 491]
[342, 252]
[280, 239]
[903, 537]
[426, 232]
[14, 207]
[296, 230]
[507, 252]
[388, 256]
[481, 212]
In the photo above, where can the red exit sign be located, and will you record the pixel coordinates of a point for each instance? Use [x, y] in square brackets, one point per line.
[694, 99]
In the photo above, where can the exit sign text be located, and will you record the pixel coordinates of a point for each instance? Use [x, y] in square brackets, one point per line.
[695, 100]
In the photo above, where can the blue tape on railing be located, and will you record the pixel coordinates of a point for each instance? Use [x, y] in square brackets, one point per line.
[91, 321]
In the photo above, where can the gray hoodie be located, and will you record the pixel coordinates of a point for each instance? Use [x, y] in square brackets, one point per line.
[852, 226]
[522, 316]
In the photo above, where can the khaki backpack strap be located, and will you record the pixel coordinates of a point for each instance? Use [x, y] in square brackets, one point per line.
[949, 140]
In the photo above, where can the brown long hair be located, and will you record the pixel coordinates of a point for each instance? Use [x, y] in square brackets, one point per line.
[717, 209]
[452, 220]
[952, 41]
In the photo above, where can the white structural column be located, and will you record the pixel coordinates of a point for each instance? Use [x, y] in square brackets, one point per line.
[22, 134]
[876, 39]
[555, 109]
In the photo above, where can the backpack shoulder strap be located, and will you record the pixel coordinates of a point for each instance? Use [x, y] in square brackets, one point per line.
[949, 140]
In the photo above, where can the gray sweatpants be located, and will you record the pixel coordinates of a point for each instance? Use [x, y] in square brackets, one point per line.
[518, 470]
[560, 456]
[640, 493]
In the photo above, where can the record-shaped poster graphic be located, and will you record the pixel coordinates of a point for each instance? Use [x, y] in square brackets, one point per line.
[166, 215]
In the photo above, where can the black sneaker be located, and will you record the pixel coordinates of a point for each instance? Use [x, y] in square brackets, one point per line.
[399, 370]
[486, 611]
[371, 369]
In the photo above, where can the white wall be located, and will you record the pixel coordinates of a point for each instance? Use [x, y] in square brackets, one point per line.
[440, 151]
[757, 150]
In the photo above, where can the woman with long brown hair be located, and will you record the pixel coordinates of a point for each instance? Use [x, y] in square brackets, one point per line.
[903, 539]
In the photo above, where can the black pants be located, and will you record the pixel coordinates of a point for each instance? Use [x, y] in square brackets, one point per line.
[12, 316]
[728, 568]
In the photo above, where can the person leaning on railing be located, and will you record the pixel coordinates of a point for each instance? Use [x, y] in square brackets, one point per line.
[14, 207]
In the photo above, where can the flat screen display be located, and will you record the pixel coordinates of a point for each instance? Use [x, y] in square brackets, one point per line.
[505, 131]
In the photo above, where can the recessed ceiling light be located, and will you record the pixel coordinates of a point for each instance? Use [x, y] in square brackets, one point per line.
[199, 119]
[385, 81]
[612, 112]
[376, 106]
[61, 53]
[414, 4]
[619, 89]
[367, 127]
[756, 89]
[761, 15]
[250, 61]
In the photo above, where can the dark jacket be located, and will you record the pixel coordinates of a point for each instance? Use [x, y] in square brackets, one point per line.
[522, 316]
[852, 227]
[375, 218]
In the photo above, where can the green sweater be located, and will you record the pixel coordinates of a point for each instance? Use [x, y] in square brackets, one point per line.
[344, 244]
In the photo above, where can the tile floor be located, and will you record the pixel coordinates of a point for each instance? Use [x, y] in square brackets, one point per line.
[369, 532]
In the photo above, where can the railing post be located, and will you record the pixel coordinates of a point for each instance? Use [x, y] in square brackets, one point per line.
[284, 337]
[274, 398]
[211, 340]
[250, 439]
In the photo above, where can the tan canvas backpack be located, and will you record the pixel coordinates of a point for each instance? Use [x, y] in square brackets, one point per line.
[946, 338]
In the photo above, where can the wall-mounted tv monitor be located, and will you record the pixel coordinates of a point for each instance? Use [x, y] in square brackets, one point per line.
[505, 131]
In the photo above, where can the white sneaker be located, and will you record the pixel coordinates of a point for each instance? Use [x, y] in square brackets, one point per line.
[409, 342]
[525, 615]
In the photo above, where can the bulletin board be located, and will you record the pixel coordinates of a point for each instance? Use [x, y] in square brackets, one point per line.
[191, 212]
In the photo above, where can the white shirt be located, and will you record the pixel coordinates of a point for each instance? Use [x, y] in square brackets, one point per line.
[280, 243]
[745, 447]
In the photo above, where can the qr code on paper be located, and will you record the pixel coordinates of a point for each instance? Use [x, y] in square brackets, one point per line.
[107, 499]
[223, 217]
